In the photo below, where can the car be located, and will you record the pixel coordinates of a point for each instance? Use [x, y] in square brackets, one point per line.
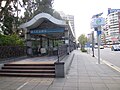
[96, 46]
[115, 48]
[101, 47]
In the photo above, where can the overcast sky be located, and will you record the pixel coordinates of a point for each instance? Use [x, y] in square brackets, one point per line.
[83, 10]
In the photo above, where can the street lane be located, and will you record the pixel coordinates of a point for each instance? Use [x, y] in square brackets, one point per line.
[110, 56]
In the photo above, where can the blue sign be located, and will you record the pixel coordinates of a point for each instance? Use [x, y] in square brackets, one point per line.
[88, 44]
[97, 15]
[113, 10]
[47, 31]
[99, 32]
[98, 22]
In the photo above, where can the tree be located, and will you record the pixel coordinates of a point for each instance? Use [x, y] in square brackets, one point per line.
[82, 39]
[34, 7]
[8, 19]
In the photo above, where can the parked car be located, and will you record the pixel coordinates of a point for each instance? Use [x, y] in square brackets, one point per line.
[101, 47]
[115, 48]
[96, 46]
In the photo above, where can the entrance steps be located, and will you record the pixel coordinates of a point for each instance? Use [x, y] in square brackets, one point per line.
[28, 70]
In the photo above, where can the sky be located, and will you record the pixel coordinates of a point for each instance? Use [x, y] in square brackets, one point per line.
[83, 10]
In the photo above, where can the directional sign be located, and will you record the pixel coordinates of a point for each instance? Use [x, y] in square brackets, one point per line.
[98, 22]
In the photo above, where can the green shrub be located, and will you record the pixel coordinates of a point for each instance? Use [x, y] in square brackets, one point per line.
[11, 40]
[83, 50]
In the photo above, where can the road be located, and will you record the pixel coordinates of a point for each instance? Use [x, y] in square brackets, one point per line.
[108, 55]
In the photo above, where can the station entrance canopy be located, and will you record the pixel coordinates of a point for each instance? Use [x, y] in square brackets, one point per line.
[46, 25]
[42, 31]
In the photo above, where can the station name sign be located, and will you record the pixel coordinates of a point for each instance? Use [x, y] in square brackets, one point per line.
[46, 31]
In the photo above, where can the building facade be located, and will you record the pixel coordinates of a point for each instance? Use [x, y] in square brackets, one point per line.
[70, 19]
[112, 28]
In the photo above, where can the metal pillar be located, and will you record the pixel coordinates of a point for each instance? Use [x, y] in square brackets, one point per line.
[93, 43]
[98, 40]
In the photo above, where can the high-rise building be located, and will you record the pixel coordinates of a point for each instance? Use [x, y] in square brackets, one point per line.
[69, 18]
[112, 30]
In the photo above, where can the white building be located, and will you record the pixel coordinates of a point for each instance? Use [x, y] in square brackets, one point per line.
[69, 18]
[112, 29]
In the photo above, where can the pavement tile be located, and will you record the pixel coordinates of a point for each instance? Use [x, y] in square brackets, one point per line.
[85, 88]
[57, 84]
[101, 88]
[83, 85]
[113, 85]
[71, 84]
[28, 87]
[40, 88]
[99, 85]
[55, 88]
[115, 88]
[70, 88]
[109, 81]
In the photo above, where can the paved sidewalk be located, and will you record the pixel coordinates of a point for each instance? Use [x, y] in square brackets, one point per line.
[84, 74]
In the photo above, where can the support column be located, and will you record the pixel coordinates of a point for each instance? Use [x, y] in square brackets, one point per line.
[28, 42]
[40, 41]
[48, 46]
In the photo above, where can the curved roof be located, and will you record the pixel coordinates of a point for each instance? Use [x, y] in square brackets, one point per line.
[38, 19]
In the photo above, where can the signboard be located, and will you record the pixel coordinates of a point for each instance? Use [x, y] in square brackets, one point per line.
[46, 31]
[99, 32]
[113, 10]
[97, 22]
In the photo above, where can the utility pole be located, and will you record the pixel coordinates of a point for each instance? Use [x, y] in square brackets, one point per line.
[96, 24]
[98, 40]
[93, 43]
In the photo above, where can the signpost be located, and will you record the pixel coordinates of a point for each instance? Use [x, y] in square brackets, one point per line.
[96, 23]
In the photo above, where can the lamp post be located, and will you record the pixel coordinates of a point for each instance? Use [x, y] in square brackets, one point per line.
[93, 43]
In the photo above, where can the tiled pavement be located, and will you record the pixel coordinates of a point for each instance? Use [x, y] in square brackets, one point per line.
[84, 74]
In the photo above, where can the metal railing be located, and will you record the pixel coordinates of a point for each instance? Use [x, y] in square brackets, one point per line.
[62, 52]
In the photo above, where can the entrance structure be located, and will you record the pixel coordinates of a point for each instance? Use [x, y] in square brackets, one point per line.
[43, 32]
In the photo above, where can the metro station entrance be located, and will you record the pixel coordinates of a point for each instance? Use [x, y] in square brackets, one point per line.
[44, 34]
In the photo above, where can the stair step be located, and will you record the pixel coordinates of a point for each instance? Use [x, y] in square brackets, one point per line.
[28, 74]
[42, 64]
[28, 67]
[26, 71]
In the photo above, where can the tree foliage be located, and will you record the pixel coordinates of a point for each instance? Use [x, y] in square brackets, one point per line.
[11, 40]
[8, 19]
[9, 10]
[34, 7]
[82, 39]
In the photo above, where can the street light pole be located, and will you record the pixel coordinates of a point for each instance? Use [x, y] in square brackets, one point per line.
[93, 43]
[96, 24]
[98, 40]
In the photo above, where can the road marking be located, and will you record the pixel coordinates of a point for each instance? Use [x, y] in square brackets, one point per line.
[109, 64]
[22, 86]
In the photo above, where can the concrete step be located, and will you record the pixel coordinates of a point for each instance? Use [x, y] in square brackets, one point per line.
[28, 74]
[39, 64]
[29, 67]
[26, 71]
